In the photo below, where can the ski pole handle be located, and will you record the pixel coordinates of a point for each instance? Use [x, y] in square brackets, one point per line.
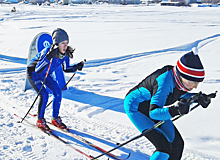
[212, 95]
[84, 61]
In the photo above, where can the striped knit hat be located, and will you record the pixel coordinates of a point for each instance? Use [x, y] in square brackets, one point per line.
[190, 67]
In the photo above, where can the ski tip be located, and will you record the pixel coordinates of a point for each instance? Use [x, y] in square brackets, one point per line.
[33, 115]
[128, 155]
[19, 117]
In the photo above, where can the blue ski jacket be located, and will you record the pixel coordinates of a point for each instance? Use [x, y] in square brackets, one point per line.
[37, 69]
[40, 63]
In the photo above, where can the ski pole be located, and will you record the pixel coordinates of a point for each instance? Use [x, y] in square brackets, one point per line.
[193, 98]
[38, 92]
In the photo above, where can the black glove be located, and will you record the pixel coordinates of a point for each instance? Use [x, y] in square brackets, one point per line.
[204, 100]
[78, 66]
[69, 51]
[181, 108]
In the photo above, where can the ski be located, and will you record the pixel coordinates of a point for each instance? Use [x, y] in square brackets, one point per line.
[81, 139]
[56, 137]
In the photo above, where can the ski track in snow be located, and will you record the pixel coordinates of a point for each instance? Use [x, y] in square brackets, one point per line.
[100, 62]
[82, 109]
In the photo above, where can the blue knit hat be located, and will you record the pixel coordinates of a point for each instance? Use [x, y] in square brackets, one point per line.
[190, 67]
[59, 35]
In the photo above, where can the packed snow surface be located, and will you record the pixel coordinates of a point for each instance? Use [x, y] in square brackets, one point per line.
[122, 45]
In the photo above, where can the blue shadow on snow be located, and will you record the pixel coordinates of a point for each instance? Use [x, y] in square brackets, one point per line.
[92, 99]
[107, 143]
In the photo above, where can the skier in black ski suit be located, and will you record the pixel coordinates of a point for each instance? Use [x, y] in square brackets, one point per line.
[144, 104]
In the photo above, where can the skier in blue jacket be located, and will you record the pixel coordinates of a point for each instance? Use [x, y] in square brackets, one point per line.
[145, 103]
[37, 69]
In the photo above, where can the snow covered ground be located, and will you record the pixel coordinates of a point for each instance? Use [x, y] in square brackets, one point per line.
[122, 45]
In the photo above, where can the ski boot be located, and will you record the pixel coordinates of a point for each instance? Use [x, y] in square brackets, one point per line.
[58, 123]
[41, 124]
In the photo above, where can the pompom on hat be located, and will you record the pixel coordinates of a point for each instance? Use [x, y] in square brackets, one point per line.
[59, 35]
[190, 67]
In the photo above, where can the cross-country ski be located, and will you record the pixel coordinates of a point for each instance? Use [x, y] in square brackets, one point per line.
[50, 133]
[79, 138]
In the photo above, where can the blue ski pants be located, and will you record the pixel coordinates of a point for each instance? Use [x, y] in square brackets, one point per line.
[51, 83]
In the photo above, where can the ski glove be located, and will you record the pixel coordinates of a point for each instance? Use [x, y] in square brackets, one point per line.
[182, 107]
[204, 100]
[78, 66]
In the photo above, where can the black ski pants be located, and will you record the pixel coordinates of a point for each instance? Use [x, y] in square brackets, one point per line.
[174, 149]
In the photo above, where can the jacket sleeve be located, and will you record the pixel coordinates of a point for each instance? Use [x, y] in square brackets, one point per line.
[66, 66]
[158, 113]
[186, 96]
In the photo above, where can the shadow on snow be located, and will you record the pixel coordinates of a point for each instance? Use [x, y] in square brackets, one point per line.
[13, 59]
[92, 99]
[107, 143]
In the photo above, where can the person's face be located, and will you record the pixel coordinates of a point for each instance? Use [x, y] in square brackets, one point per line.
[63, 46]
[189, 84]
